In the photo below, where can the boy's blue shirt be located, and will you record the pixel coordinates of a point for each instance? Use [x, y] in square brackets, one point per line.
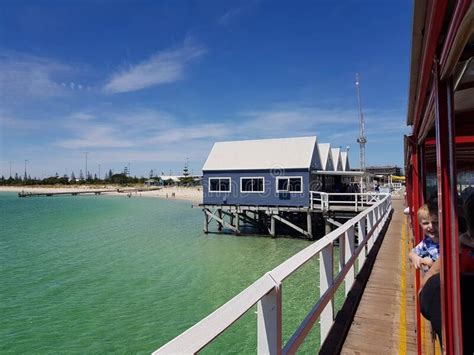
[427, 248]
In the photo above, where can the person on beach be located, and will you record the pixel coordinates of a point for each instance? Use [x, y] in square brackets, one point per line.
[427, 251]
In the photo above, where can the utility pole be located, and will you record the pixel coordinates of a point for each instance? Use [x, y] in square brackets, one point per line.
[26, 176]
[362, 139]
[87, 175]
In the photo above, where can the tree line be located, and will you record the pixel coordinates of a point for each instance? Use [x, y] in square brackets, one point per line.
[110, 178]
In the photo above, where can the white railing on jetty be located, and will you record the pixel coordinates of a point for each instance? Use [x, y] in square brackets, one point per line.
[324, 201]
[266, 291]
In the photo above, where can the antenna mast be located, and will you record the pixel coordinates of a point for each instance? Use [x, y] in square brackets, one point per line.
[361, 140]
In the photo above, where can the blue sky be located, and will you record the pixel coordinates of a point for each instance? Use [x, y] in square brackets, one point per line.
[152, 83]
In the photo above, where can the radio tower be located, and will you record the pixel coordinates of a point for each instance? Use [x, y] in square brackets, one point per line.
[361, 140]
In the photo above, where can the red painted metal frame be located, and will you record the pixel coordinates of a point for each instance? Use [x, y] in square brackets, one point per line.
[419, 198]
[437, 13]
[448, 226]
[458, 140]
[415, 193]
[460, 11]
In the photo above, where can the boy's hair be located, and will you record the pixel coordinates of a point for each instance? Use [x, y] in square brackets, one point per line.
[469, 211]
[427, 210]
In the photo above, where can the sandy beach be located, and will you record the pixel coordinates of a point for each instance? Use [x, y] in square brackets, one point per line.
[191, 194]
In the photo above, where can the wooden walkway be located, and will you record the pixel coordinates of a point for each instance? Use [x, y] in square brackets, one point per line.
[385, 319]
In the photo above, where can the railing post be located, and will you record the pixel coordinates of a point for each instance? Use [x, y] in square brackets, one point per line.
[370, 225]
[376, 218]
[326, 281]
[348, 252]
[269, 323]
[361, 234]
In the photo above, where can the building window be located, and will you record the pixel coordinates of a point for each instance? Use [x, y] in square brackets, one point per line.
[290, 184]
[252, 184]
[219, 184]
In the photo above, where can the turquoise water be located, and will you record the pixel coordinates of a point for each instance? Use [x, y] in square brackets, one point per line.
[97, 274]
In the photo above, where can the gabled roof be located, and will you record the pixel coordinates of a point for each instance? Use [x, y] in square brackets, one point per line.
[280, 153]
[326, 159]
[336, 158]
[345, 161]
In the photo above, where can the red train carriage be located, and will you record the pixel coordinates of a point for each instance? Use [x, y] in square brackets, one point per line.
[439, 153]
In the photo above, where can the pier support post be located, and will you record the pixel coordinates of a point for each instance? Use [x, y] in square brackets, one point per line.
[309, 222]
[272, 226]
[237, 220]
[206, 222]
[327, 227]
[219, 224]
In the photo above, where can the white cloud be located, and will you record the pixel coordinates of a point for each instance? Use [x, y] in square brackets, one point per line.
[182, 134]
[163, 67]
[82, 116]
[30, 76]
[96, 137]
[228, 16]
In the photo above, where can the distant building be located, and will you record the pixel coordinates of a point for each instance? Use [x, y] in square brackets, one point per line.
[385, 170]
[270, 172]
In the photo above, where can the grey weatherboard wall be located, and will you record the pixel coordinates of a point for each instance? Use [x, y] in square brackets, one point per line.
[270, 197]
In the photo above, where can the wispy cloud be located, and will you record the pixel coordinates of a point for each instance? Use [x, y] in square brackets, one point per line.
[27, 75]
[96, 137]
[229, 16]
[181, 134]
[116, 135]
[82, 116]
[163, 67]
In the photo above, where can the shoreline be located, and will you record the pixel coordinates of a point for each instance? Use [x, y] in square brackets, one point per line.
[190, 194]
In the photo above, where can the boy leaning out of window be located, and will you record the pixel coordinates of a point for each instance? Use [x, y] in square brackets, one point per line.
[427, 251]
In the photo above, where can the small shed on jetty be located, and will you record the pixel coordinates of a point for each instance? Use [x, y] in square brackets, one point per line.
[271, 172]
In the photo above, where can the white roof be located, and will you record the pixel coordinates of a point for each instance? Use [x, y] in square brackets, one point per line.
[336, 158]
[324, 149]
[170, 177]
[345, 161]
[280, 153]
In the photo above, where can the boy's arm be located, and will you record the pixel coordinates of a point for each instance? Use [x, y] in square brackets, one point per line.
[432, 271]
[415, 259]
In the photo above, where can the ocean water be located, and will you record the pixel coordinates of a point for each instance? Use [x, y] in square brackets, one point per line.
[102, 274]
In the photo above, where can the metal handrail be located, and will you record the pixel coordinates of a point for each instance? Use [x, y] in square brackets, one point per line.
[323, 200]
[266, 290]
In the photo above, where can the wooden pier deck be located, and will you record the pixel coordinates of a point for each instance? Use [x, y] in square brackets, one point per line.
[385, 319]
[84, 192]
[73, 193]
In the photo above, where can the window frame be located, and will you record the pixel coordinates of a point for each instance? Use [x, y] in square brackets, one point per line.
[252, 177]
[219, 178]
[278, 178]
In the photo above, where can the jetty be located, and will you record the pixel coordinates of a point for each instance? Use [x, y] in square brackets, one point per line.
[84, 192]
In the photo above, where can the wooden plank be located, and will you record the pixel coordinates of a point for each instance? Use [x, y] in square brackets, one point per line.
[376, 326]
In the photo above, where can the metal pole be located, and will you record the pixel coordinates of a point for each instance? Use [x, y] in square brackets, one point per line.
[86, 174]
[447, 210]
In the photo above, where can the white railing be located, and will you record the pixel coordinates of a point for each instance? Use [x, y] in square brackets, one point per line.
[266, 290]
[354, 201]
